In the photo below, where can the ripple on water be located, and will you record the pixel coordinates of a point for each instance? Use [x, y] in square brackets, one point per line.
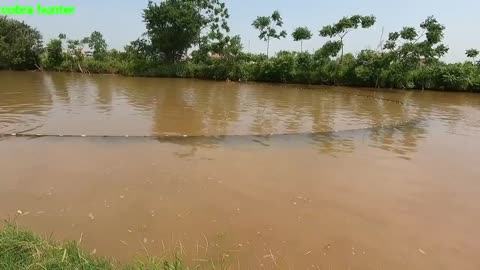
[110, 105]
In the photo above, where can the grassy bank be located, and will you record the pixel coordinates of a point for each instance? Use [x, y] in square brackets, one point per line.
[23, 249]
[410, 58]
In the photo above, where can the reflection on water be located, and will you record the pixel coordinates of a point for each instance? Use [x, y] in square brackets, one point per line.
[269, 176]
[401, 140]
[112, 105]
[59, 103]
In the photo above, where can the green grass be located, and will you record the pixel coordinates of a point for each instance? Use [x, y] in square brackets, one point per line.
[22, 249]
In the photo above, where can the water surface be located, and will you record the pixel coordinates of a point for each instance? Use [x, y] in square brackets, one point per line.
[310, 181]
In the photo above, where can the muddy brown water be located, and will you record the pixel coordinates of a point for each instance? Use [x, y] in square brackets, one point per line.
[405, 196]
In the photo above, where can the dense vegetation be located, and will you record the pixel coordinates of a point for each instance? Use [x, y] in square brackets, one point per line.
[191, 38]
[21, 249]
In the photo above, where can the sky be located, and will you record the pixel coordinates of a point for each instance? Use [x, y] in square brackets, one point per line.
[120, 21]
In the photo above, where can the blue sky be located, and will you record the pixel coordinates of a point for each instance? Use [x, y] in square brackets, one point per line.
[121, 21]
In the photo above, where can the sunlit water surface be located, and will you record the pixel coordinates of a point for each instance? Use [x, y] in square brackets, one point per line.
[312, 181]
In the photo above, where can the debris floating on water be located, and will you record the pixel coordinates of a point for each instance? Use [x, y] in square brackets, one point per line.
[421, 251]
[90, 215]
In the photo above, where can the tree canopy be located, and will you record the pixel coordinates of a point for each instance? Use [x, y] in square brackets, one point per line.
[345, 26]
[97, 43]
[270, 27]
[20, 45]
[301, 34]
[472, 53]
[174, 26]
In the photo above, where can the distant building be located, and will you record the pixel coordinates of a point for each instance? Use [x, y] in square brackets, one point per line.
[87, 53]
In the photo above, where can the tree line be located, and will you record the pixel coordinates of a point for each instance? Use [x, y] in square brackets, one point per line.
[191, 38]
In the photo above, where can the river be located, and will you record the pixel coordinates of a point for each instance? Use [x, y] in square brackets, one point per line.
[243, 175]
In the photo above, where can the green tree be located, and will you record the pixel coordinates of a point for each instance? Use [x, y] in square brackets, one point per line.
[410, 50]
[408, 45]
[174, 26]
[20, 45]
[97, 43]
[138, 49]
[371, 65]
[267, 25]
[214, 14]
[54, 53]
[75, 54]
[329, 49]
[472, 53]
[345, 26]
[301, 34]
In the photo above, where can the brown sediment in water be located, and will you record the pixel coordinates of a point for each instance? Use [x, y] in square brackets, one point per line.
[394, 198]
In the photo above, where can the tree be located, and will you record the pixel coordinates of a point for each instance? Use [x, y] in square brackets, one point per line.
[75, 53]
[472, 53]
[410, 50]
[329, 49]
[54, 53]
[267, 25]
[214, 16]
[97, 43]
[20, 45]
[370, 67]
[301, 34]
[174, 26]
[345, 26]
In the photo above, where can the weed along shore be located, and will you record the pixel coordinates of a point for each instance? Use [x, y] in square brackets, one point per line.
[23, 249]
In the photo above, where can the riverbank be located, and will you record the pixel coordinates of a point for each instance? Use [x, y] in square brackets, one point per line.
[23, 249]
[411, 58]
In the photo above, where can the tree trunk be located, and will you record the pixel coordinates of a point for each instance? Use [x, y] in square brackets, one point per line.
[80, 67]
[268, 46]
[341, 55]
[37, 66]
